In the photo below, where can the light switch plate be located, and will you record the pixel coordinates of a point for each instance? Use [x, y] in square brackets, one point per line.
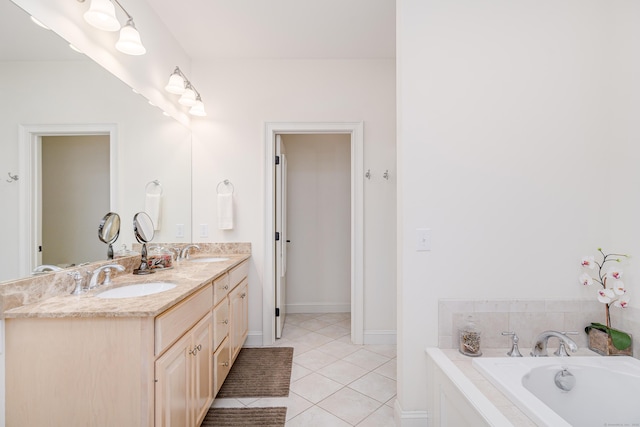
[423, 242]
[204, 230]
[180, 230]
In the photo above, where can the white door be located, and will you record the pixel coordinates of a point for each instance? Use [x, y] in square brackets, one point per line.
[281, 233]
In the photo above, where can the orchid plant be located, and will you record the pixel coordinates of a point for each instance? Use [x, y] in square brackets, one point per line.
[612, 292]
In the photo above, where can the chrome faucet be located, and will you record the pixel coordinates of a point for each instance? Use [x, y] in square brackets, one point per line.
[46, 267]
[540, 347]
[93, 282]
[185, 251]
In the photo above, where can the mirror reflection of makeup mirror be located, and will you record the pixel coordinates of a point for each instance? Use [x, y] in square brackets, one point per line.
[143, 230]
[109, 230]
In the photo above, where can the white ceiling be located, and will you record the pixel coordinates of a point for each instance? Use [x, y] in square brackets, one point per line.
[208, 29]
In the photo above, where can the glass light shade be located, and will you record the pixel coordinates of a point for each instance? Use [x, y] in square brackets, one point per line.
[39, 24]
[102, 15]
[188, 98]
[129, 41]
[198, 109]
[175, 85]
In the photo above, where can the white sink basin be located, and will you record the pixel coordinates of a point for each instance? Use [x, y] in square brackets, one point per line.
[208, 259]
[139, 290]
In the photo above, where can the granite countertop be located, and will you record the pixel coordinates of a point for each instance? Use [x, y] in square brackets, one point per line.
[188, 276]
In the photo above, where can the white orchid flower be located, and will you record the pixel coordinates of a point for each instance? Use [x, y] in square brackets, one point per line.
[605, 296]
[585, 279]
[622, 301]
[618, 287]
[589, 262]
[614, 273]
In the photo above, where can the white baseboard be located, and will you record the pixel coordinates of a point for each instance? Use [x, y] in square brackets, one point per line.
[409, 418]
[254, 339]
[380, 337]
[318, 308]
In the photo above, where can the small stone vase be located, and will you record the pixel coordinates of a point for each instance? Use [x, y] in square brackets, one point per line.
[600, 342]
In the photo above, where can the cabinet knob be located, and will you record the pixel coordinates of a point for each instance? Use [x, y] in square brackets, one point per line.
[225, 364]
[243, 295]
[225, 321]
[226, 287]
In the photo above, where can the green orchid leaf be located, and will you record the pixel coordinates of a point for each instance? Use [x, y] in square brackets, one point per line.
[620, 340]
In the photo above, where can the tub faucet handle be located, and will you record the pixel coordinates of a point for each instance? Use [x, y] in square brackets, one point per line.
[514, 352]
[562, 350]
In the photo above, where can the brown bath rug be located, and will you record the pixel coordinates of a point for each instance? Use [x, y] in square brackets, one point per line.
[245, 417]
[259, 372]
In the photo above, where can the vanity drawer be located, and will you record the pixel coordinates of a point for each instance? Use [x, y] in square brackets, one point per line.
[173, 323]
[238, 273]
[220, 288]
[221, 365]
[220, 323]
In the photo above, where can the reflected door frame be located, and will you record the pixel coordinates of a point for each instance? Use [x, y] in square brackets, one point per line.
[29, 181]
[356, 131]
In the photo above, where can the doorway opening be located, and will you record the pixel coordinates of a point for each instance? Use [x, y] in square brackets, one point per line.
[31, 197]
[354, 135]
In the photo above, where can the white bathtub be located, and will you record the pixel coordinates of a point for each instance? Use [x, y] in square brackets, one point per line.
[606, 390]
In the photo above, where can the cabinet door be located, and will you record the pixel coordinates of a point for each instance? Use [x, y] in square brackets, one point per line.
[221, 364]
[239, 317]
[202, 360]
[220, 323]
[172, 385]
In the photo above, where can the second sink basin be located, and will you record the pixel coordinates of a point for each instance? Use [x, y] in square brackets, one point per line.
[208, 259]
[138, 290]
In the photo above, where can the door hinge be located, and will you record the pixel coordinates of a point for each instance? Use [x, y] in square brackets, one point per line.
[277, 160]
[277, 236]
[277, 312]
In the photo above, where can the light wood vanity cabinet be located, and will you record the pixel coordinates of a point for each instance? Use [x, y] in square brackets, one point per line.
[229, 306]
[238, 298]
[184, 378]
[127, 371]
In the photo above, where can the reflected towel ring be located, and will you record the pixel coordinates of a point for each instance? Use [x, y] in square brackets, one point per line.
[227, 183]
[157, 185]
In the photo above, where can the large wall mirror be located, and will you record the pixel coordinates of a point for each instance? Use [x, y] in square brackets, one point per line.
[51, 95]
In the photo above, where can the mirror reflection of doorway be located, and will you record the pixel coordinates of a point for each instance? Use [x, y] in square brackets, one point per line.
[75, 195]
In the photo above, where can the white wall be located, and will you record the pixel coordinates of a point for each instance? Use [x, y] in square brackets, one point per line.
[318, 223]
[150, 145]
[228, 144]
[505, 145]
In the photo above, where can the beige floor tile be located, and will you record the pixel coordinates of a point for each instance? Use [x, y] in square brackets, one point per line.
[316, 417]
[291, 332]
[314, 324]
[334, 331]
[313, 339]
[314, 359]
[342, 372]
[298, 371]
[295, 404]
[333, 318]
[339, 349]
[375, 386]
[315, 387]
[389, 369]
[366, 359]
[385, 350]
[383, 417]
[349, 405]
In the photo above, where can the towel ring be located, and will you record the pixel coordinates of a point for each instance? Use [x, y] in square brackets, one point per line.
[156, 183]
[227, 183]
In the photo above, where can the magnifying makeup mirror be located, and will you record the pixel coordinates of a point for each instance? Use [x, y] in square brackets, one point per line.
[109, 230]
[143, 230]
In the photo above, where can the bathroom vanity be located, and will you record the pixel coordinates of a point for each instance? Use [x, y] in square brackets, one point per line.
[155, 360]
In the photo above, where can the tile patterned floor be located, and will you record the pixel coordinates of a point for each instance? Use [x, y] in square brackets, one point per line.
[333, 382]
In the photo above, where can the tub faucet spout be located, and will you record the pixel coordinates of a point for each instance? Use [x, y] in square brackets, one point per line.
[540, 347]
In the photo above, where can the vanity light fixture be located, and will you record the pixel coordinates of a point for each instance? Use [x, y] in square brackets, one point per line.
[179, 84]
[39, 24]
[102, 15]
